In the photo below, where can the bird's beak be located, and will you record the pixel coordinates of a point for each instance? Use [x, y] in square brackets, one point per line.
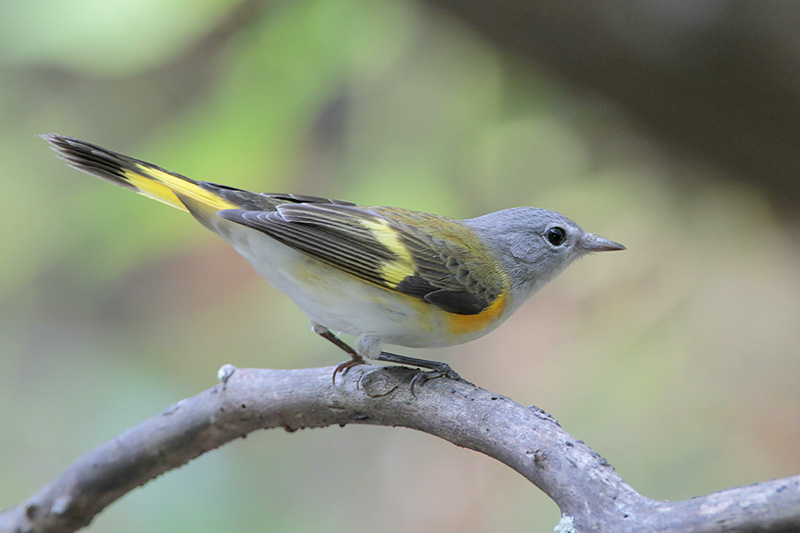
[593, 243]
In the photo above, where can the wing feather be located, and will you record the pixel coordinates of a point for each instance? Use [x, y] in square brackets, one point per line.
[424, 256]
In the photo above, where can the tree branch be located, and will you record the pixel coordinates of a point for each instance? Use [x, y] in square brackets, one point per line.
[586, 488]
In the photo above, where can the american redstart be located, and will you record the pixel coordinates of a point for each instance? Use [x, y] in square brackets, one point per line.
[383, 274]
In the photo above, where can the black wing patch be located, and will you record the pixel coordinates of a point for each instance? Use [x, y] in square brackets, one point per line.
[458, 302]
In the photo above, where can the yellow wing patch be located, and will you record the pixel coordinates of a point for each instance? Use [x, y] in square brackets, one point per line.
[393, 272]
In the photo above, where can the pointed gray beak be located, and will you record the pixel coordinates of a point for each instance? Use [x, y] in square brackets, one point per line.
[593, 243]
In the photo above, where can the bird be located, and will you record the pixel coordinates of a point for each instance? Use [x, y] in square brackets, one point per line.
[384, 275]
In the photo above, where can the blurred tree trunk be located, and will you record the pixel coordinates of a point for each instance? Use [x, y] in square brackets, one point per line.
[714, 79]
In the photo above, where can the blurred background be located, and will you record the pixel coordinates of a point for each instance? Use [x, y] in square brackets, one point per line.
[671, 127]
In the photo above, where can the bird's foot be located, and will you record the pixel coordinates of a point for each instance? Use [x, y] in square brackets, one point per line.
[435, 368]
[344, 366]
[444, 371]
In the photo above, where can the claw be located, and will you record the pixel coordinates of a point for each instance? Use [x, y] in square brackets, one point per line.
[437, 369]
[344, 366]
[443, 371]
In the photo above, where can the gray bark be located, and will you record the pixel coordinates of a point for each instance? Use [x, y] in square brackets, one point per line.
[592, 497]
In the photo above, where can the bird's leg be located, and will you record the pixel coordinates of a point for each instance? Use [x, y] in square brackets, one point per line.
[344, 366]
[437, 369]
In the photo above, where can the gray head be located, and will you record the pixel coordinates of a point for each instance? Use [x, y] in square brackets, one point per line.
[535, 245]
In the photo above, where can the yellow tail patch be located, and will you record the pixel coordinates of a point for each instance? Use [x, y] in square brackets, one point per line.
[168, 188]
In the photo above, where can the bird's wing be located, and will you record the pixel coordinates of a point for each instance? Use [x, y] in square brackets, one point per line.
[437, 260]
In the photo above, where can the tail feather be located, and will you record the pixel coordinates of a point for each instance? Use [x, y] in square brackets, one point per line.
[139, 176]
[200, 198]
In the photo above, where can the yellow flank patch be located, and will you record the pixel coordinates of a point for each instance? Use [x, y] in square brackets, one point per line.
[165, 187]
[392, 271]
[467, 324]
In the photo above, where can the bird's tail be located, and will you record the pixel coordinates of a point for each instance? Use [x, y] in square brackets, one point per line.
[139, 176]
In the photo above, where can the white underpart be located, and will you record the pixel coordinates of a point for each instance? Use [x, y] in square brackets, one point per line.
[339, 301]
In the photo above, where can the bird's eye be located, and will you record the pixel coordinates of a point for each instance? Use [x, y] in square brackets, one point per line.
[556, 236]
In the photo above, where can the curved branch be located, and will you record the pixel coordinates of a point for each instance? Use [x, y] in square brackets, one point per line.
[586, 488]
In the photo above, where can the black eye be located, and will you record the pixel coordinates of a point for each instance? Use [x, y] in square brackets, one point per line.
[556, 236]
